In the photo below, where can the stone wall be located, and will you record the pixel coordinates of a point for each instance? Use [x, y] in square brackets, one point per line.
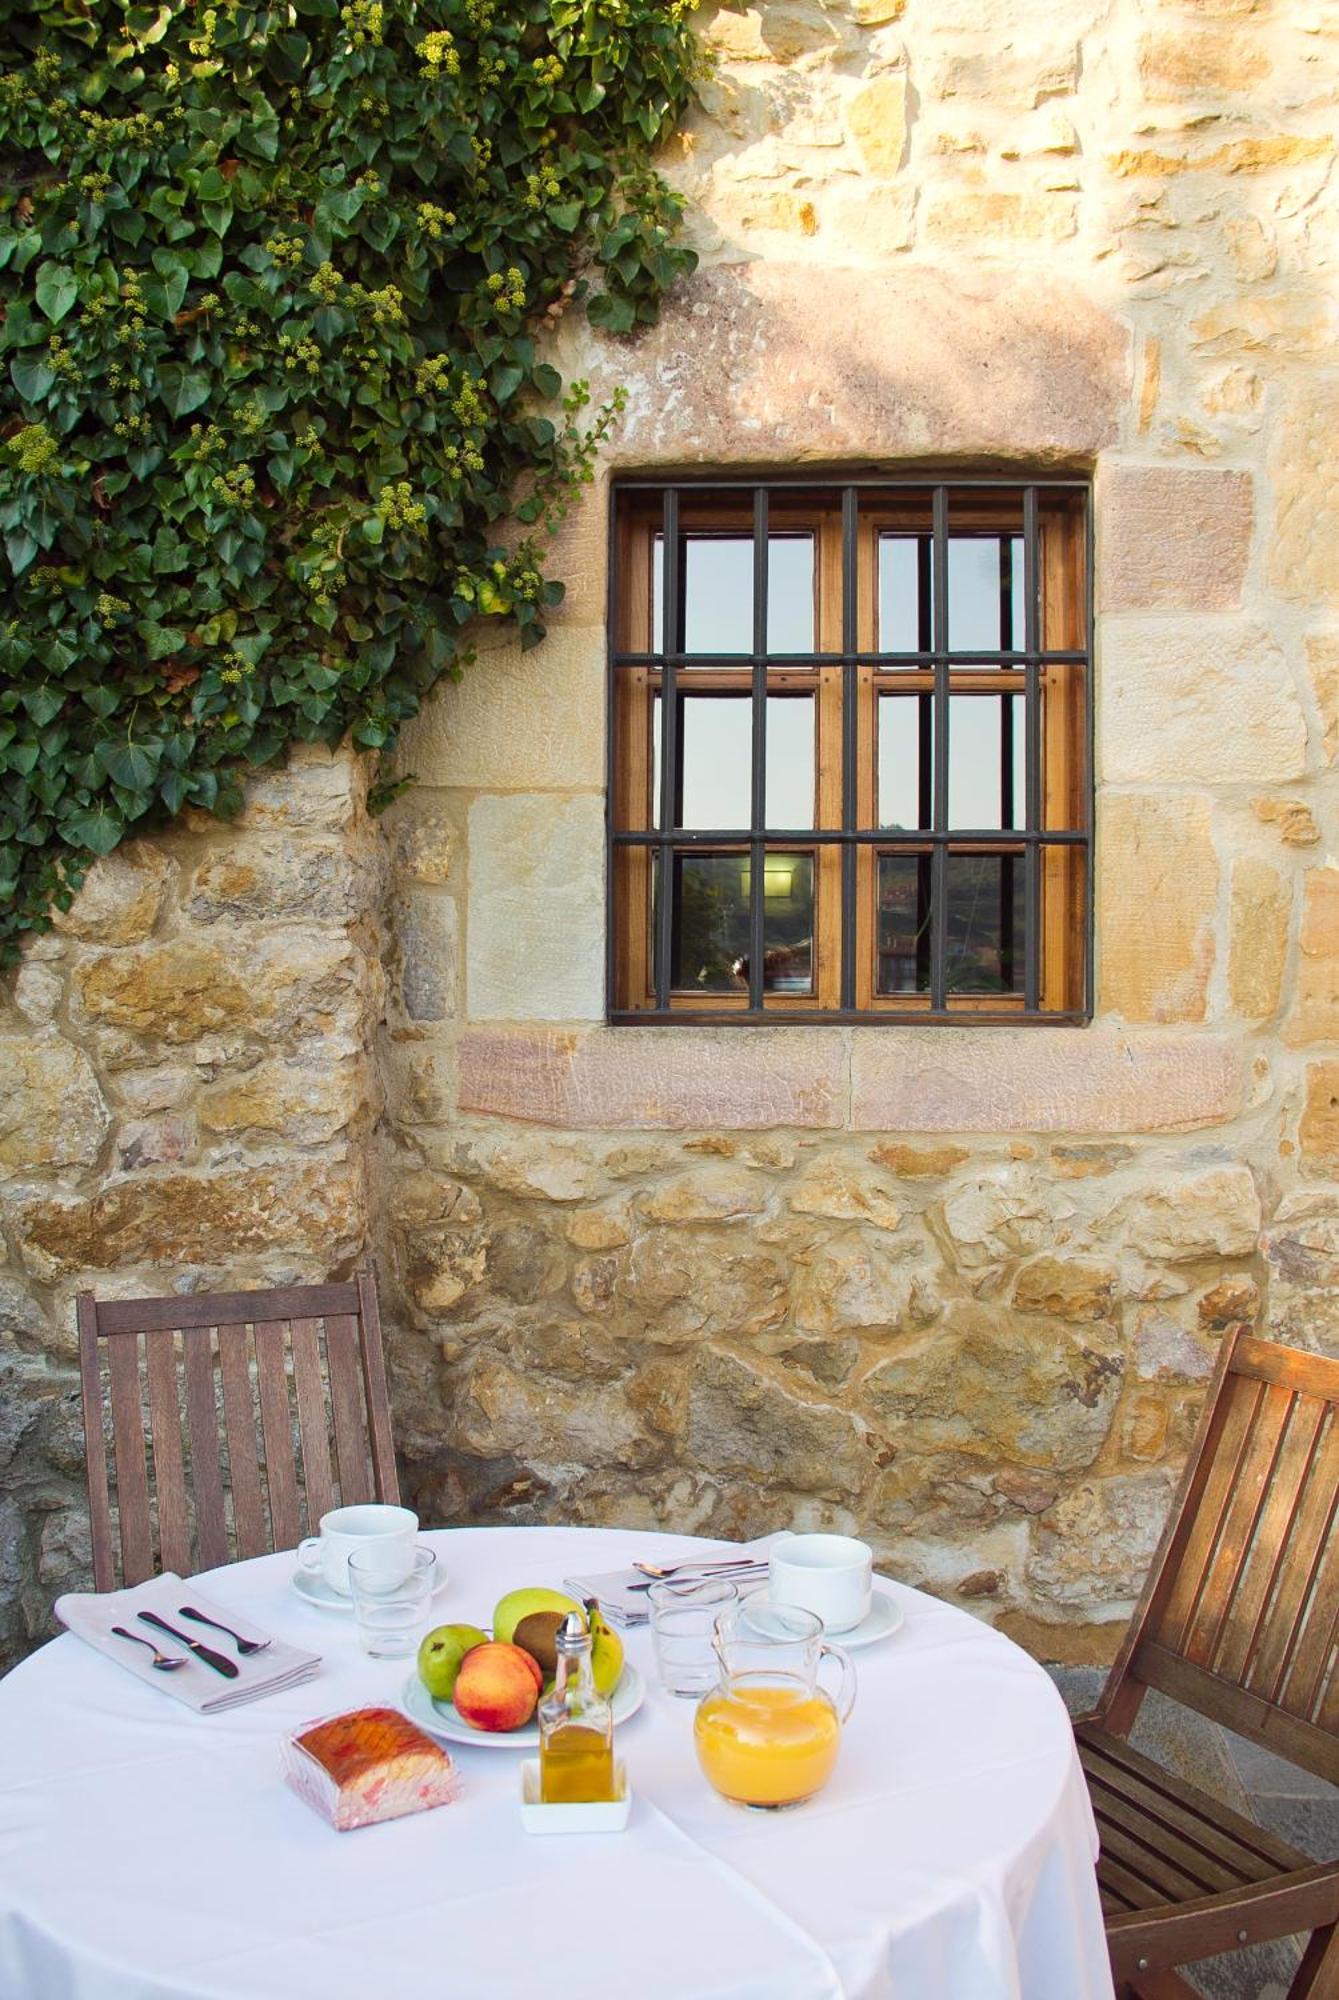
[958, 1289]
[186, 1093]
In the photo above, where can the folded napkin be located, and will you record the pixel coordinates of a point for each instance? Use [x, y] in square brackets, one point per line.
[199, 1685]
[622, 1593]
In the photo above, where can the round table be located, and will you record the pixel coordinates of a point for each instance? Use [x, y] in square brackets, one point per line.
[146, 1851]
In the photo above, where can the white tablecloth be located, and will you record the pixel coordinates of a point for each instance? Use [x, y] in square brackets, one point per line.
[147, 1852]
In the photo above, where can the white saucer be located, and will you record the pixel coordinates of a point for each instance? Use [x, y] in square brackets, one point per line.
[882, 1619]
[313, 1589]
[439, 1718]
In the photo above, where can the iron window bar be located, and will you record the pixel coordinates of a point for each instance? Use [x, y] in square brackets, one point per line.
[934, 656]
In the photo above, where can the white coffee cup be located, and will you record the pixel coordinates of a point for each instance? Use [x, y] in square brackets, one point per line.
[386, 1534]
[830, 1575]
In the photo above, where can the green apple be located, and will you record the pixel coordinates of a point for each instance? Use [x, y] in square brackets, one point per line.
[519, 1604]
[440, 1655]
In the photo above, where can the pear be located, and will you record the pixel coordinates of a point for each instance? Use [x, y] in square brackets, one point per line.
[606, 1653]
[519, 1604]
[441, 1654]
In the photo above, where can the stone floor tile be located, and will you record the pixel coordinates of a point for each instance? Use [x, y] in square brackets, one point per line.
[1265, 1775]
[1191, 1746]
[1080, 1686]
[1310, 1824]
[1258, 1972]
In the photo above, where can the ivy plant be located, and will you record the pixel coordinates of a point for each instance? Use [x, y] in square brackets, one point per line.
[278, 424]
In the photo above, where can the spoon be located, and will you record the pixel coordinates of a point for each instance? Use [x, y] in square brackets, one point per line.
[246, 1647]
[163, 1661]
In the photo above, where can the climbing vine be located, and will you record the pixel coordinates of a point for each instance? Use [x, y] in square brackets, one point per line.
[277, 426]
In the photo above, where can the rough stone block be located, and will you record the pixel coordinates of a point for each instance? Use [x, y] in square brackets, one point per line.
[844, 1192]
[304, 1103]
[1322, 660]
[1211, 1214]
[968, 221]
[1303, 551]
[313, 880]
[1157, 901]
[1318, 1132]
[1261, 903]
[304, 982]
[756, 1426]
[1315, 1011]
[877, 118]
[1200, 62]
[872, 222]
[1208, 701]
[1040, 1080]
[1097, 1542]
[315, 1209]
[517, 721]
[1012, 75]
[1272, 324]
[317, 788]
[535, 928]
[1294, 819]
[1173, 539]
[425, 928]
[1003, 1386]
[121, 897]
[655, 1078]
[52, 1112]
[1075, 1288]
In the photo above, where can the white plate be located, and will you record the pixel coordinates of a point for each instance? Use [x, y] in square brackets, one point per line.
[439, 1718]
[884, 1616]
[313, 1589]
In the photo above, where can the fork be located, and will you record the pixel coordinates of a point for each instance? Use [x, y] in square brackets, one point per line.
[658, 1573]
[164, 1662]
[246, 1647]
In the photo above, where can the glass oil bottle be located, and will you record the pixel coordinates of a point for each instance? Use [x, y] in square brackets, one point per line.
[576, 1726]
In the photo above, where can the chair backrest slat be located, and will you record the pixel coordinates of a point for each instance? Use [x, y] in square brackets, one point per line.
[239, 1419]
[278, 1398]
[281, 1472]
[346, 1406]
[132, 1479]
[202, 1429]
[1240, 1614]
[169, 1475]
[313, 1423]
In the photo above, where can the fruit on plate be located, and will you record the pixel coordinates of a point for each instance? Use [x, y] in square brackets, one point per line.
[538, 1634]
[441, 1654]
[519, 1604]
[496, 1688]
[606, 1652]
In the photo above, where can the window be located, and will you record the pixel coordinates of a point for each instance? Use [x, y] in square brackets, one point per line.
[849, 744]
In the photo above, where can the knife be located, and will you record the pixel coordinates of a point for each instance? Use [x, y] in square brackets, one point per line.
[202, 1652]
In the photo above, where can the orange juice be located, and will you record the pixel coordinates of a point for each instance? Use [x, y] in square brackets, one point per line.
[767, 1745]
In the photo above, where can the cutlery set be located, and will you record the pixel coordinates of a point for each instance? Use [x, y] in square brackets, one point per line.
[167, 1663]
[739, 1566]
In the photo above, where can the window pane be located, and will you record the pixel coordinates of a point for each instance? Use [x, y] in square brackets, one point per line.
[790, 596]
[904, 576]
[985, 593]
[790, 761]
[905, 727]
[987, 747]
[984, 941]
[788, 923]
[716, 758]
[718, 593]
[711, 922]
[904, 924]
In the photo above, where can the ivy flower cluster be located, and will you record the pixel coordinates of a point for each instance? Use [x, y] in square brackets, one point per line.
[34, 450]
[508, 290]
[438, 54]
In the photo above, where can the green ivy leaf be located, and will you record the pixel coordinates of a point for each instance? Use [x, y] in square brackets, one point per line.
[56, 290]
[129, 765]
[95, 827]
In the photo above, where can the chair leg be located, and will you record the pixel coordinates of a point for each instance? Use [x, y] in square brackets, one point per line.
[1165, 1985]
[1317, 1977]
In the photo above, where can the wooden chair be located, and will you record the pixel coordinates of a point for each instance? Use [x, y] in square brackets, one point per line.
[239, 1476]
[1238, 1620]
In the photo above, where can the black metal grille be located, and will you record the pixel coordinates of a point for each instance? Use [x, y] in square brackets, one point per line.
[935, 844]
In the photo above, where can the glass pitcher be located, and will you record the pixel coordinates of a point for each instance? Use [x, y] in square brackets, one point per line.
[768, 1734]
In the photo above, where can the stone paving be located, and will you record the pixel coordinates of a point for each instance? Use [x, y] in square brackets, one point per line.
[1299, 1808]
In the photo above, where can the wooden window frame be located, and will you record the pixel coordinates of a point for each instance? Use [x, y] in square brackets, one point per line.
[847, 676]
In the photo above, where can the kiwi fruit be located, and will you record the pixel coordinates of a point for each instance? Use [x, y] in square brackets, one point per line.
[538, 1635]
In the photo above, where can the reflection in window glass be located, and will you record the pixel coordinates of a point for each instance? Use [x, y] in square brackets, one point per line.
[903, 888]
[718, 593]
[790, 761]
[986, 749]
[711, 923]
[903, 594]
[905, 760]
[984, 923]
[985, 593]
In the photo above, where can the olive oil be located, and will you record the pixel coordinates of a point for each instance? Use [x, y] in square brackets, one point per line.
[576, 1726]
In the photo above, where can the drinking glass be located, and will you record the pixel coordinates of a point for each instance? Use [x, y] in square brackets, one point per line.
[391, 1616]
[683, 1620]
